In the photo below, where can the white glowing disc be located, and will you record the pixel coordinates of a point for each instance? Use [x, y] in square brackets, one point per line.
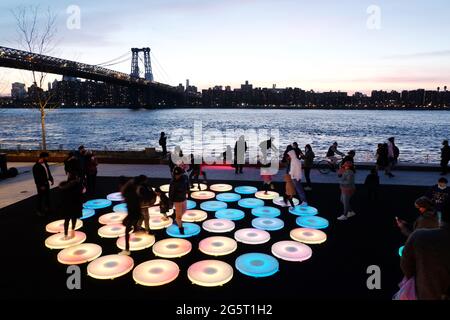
[112, 231]
[308, 236]
[58, 226]
[112, 218]
[202, 187]
[291, 251]
[252, 236]
[80, 254]
[269, 196]
[165, 187]
[221, 187]
[156, 272]
[138, 241]
[116, 196]
[110, 267]
[280, 202]
[194, 216]
[218, 225]
[203, 195]
[56, 241]
[172, 248]
[210, 273]
[158, 222]
[155, 211]
[217, 246]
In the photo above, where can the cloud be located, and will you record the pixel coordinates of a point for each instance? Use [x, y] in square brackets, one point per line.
[431, 54]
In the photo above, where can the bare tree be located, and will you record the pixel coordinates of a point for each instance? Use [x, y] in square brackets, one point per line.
[37, 31]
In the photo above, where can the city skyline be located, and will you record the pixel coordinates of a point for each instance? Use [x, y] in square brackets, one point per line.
[290, 43]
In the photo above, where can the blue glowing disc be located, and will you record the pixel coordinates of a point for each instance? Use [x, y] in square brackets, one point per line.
[246, 190]
[120, 207]
[230, 214]
[228, 197]
[304, 211]
[268, 224]
[190, 230]
[312, 222]
[190, 204]
[400, 251]
[97, 204]
[266, 212]
[87, 213]
[251, 203]
[213, 205]
[257, 265]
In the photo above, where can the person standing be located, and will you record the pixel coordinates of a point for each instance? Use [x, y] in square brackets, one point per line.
[297, 150]
[163, 143]
[81, 156]
[427, 217]
[71, 203]
[440, 195]
[296, 174]
[179, 187]
[71, 165]
[382, 157]
[240, 149]
[91, 172]
[445, 157]
[42, 176]
[196, 170]
[308, 161]
[393, 154]
[372, 184]
[348, 189]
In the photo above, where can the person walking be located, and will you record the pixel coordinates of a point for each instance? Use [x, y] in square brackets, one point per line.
[196, 170]
[163, 143]
[179, 187]
[296, 174]
[445, 157]
[308, 162]
[240, 149]
[348, 188]
[71, 203]
[42, 178]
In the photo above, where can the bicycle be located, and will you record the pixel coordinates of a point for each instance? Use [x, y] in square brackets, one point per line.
[325, 166]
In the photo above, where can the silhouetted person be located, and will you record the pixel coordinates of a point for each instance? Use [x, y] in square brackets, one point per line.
[71, 203]
[42, 176]
[445, 157]
[393, 154]
[147, 198]
[179, 187]
[72, 165]
[308, 162]
[427, 219]
[196, 171]
[382, 156]
[91, 172]
[240, 148]
[164, 203]
[372, 184]
[81, 156]
[163, 143]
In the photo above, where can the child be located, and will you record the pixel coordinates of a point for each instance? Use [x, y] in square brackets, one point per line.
[289, 190]
[440, 195]
[164, 203]
[372, 183]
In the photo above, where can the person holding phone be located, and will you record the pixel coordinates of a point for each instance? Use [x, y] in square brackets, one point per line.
[427, 219]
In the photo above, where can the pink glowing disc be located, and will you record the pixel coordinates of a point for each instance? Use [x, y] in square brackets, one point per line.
[156, 272]
[112, 218]
[218, 225]
[269, 196]
[291, 251]
[194, 216]
[80, 254]
[110, 267]
[156, 211]
[308, 236]
[138, 241]
[112, 231]
[172, 248]
[203, 195]
[58, 241]
[58, 226]
[157, 222]
[210, 273]
[221, 187]
[217, 246]
[252, 236]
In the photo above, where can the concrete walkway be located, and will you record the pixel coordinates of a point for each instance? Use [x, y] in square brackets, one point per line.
[22, 187]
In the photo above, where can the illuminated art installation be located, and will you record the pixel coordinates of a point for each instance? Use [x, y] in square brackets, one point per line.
[80, 254]
[266, 212]
[97, 204]
[280, 202]
[138, 241]
[291, 251]
[251, 203]
[213, 205]
[218, 225]
[156, 272]
[203, 195]
[158, 222]
[112, 231]
[116, 196]
[190, 230]
[221, 187]
[257, 265]
[87, 213]
[202, 187]
[308, 236]
[217, 246]
[210, 273]
[245, 190]
[269, 196]
[110, 267]
[252, 236]
[194, 216]
[230, 214]
[313, 222]
[112, 218]
[156, 211]
[172, 248]
[58, 226]
[58, 241]
[122, 207]
[269, 224]
[228, 197]
[304, 211]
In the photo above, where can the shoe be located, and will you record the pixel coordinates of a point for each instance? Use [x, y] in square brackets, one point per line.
[342, 217]
[351, 214]
[182, 230]
[304, 204]
[124, 253]
[308, 188]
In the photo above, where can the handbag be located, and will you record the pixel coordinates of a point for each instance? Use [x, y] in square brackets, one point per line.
[407, 290]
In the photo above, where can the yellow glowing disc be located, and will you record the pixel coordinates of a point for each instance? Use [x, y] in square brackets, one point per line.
[57, 241]
[308, 236]
[165, 187]
[154, 211]
[194, 216]
[138, 241]
[112, 231]
[156, 272]
[217, 246]
[195, 188]
[221, 187]
[203, 195]
[110, 267]
[58, 226]
[80, 254]
[269, 196]
[112, 218]
[157, 222]
[172, 248]
[210, 273]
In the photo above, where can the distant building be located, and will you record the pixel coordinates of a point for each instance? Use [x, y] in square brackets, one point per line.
[18, 91]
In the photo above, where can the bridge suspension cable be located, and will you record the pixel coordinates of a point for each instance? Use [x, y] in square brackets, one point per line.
[118, 62]
[166, 76]
[112, 60]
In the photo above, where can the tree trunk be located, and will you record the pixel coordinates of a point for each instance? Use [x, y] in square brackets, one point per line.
[44, 140]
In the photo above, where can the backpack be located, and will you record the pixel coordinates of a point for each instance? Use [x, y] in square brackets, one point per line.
[396, 152]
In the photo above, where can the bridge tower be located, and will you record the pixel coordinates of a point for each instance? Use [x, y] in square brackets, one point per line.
[147, 63]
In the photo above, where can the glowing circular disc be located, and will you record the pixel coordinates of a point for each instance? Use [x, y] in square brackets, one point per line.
[202, 187]
[56, 241]
[400, 251]
[58, 226]
[291, 251]
[116, 196]
[230, 214]
[210, 273]
[252, 236]
[122, 207]
[213, 205]
[245, 190]
[110, 267]
[165, 187]
[217, 246]
[190, 204]
[313, 222]
[228, 197]
[158, 223]
[172, 248]
[155, 211]
[80, 254]
[97, 204]
[112, 218]
[112, 231]
[269, 196]
[304, 211]
[203, 195]
[156, 272]
[87, 213]
[218, 225]
[190, 230]
[308, 236]
[257, 265]
[269, 224]
[280, 202]
[138, 241]
[221, 187]
[251, 203]
[266, 212]
[194, 216]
